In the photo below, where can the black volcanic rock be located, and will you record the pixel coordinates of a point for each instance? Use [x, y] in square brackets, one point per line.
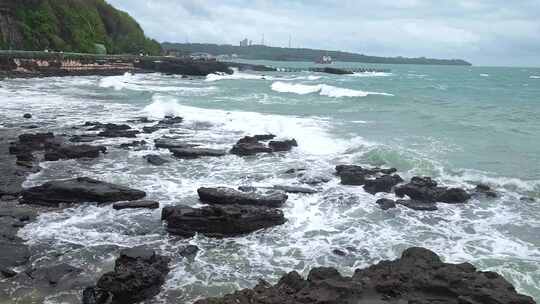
[220, 221]
[138, 275]
[136, 205]
[171, 120]
[353, 175]
[190, 153]
[119, 133]
[79, 190]
[426, 190]
[74, 152]
[27, 116]
[384, 183]
[419, 276]
[283, 146]
[249, 145]
[229, 196]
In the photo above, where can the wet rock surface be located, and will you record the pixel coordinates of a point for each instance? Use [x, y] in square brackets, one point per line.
[425, 189]
[353, 175]
[74, 152]
[252, 145]
[190, 153]
[229, 196]
[137, 276]
[220, 221]
[171, 143]
[79, 190]
[136, 205]
[419, 276]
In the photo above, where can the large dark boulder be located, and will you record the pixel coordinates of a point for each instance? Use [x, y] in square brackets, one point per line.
[220, 221]
[419, 276]
[191, 153]
[79, 190]
[426, 190]
[138, 275]
[74, 152]
[384, 183]
[229, 196]
[251, 145]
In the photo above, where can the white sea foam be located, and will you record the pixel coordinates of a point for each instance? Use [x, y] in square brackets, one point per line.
[534, 77]
[322, 89]
[372, 74]
[237, 75]
[313, 130]
[484, 75]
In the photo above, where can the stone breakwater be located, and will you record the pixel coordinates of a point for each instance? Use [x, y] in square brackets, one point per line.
[419, 276]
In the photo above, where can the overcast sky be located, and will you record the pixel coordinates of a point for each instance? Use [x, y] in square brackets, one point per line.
[485, 32]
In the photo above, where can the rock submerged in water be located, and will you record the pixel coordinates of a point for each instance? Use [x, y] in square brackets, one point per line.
[138, 275]
[383, 183]
[155, 160]
[229, 196]
[170, 143]
[220, 221]
[79, 190]
[419, 276]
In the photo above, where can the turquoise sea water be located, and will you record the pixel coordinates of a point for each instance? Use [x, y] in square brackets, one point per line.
[460, 125]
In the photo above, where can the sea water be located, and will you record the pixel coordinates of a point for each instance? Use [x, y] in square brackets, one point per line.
[460, 125]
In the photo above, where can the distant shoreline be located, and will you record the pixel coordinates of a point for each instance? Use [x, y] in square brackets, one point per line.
[261, 52]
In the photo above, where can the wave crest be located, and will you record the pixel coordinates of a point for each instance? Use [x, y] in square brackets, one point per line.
[322, 89]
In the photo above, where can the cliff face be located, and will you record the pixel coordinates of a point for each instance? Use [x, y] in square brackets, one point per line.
[71, 26]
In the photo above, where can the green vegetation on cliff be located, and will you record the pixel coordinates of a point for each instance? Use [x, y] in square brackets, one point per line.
[260, 52]
[78, 26]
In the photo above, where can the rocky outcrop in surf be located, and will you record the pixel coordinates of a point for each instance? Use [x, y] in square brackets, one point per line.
[251, 145]
[229, 196]
[138, 275]
[220, 221]
[79, 190]
[419, 276]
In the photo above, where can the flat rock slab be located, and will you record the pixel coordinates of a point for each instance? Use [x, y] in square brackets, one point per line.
[419, 276]
[229, 196]
[353, 175]
[79, 190]
[191, 153]
[136, 205]
[74, 152]
[220, 221]
[138, 276]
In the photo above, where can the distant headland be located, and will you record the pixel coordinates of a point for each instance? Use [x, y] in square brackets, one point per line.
[262, 52]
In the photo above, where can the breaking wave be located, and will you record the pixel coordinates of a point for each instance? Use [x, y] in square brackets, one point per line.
[322, 89]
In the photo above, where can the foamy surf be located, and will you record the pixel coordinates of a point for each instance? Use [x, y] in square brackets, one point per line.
[534, 77]
[372, 74]
[322, 89]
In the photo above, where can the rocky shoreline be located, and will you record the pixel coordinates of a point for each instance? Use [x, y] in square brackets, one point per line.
[419, 276]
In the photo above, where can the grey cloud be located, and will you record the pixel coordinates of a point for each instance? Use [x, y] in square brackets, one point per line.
[486, 32]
